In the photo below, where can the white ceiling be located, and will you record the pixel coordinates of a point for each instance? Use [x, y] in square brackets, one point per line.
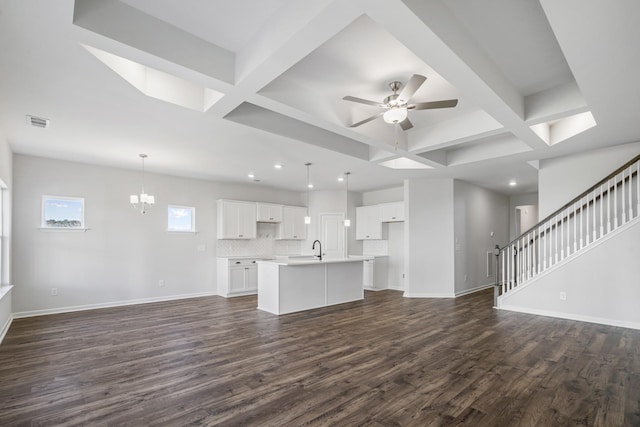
[284, 66]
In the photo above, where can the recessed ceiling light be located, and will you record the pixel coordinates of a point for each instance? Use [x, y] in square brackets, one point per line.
[512, 183]
[310, 185]
[251, 175]
[341, 179]
[277, 166]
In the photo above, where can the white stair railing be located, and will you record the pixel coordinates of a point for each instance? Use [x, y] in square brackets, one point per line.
[606, 206]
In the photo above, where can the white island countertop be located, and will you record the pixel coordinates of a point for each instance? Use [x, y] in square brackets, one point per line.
[304, 260]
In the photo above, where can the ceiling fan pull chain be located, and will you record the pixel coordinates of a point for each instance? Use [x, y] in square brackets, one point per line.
[395, 130]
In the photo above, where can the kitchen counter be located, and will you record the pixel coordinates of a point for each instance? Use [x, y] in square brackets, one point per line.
[303, 260]
[291, 284]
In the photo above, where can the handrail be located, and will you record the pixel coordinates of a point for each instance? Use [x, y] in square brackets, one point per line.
[580, 196]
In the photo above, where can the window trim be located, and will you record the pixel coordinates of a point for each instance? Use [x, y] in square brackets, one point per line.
[193, 219]
[43, 222]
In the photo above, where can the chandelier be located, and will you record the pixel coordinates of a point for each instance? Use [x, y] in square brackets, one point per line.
[144, 201]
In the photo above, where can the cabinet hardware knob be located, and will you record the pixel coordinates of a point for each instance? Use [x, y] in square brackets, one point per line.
[237, 262]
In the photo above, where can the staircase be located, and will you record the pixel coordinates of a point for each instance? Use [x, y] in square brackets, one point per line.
[607, 206]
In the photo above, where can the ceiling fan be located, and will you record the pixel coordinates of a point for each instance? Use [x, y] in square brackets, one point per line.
[397, 106]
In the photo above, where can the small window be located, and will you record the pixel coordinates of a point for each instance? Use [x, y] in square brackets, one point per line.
[62, 212]
[181, 219]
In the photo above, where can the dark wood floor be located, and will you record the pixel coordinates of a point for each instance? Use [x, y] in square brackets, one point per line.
[386, 361]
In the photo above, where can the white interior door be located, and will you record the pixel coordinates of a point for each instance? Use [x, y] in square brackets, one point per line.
[332, 235]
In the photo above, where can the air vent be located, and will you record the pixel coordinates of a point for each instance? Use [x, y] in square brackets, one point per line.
[38, 122]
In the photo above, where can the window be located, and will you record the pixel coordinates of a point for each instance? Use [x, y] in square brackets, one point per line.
[62, 212]
[181, 219]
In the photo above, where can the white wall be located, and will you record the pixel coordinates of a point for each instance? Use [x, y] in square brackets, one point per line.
[562, 179]
[601, 284]
[6, 175]
[428, 237]
[387, 195]
[395, 255]
[256, 193]
[123, 255]
[478, 213]
[354, 247]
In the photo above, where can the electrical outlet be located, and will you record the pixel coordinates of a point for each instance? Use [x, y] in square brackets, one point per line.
[563, 296]
[54, 292]
[466, 277]
[201, 248]
[161, 283]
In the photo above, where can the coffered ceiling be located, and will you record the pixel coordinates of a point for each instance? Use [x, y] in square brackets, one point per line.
[216, 89]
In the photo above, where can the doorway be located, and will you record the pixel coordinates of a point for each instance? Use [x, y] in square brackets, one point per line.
[526, 216]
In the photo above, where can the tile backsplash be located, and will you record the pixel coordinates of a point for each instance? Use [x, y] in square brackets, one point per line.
[265, 245]
[375, 247]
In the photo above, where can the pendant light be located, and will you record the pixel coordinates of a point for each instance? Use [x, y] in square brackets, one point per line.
[347, 221]
[144, 201]
[307, 218]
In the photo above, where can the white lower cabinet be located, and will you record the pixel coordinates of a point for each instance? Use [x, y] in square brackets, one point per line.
[367, 273]
[237, 276]
[375, 273]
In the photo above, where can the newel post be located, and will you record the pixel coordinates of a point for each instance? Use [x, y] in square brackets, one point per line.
[496, 286]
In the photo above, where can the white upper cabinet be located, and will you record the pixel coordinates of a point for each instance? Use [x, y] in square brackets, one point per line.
[292, 226]
[392, 212]
[368, 224]
[236, 220]
[268, 212]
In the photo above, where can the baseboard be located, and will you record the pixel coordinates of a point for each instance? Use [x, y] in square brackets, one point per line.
[570, 316]
[5, 328]
[454, 295]
[60, 310]
[472, 290]
[373, 289]
[239, 294]
[412, 295]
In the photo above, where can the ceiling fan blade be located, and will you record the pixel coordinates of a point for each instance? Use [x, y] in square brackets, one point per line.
[406, 124]
[411, 88]
[367, 120]
[447, 103]
[362, 101]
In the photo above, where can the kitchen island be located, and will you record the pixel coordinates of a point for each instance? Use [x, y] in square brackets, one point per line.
[295, 284]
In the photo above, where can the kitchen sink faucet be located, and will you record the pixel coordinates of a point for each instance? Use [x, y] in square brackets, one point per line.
[314, 248]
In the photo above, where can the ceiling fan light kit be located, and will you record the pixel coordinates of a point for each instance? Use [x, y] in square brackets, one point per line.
[395, 115]
[397, 105]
